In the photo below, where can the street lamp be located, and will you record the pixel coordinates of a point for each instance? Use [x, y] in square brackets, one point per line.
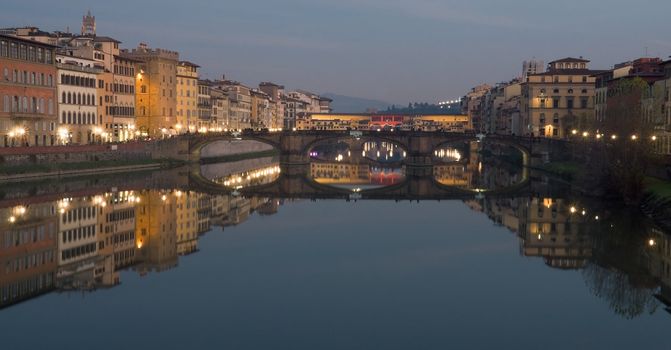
[654, 138]
[63, 135]
[634, 137]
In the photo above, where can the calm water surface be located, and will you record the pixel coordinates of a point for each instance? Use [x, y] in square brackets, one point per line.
[159, 267]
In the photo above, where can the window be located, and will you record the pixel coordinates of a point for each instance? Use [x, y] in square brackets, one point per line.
[5, 73]
[583, 102]
[569, 103]
[555, 102]
[4, 49]
[51, 106]
[5, 103]
[555, 119]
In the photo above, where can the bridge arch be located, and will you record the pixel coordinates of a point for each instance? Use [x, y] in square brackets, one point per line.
[198, 143]
[514, 143]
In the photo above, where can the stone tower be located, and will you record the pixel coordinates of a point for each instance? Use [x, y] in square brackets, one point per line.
[89, 24]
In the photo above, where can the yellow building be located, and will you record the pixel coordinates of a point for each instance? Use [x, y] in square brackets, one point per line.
[559, 100]
[187, 97]
[156, 90]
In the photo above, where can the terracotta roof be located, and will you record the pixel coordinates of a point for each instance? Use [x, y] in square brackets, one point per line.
[570, 59]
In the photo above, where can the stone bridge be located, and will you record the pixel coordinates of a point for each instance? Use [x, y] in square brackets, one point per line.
[294, 146]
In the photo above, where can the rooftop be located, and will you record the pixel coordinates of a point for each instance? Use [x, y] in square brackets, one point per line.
[570, 59]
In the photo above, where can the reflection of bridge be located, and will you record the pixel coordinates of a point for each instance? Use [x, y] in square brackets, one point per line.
[419, 146]
[295, 182]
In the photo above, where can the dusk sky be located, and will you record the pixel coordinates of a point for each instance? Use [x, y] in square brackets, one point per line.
[393, 50]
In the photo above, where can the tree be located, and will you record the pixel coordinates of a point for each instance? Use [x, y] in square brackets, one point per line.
[627, 156]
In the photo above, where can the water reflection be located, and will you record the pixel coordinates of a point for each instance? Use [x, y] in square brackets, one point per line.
[81, 243]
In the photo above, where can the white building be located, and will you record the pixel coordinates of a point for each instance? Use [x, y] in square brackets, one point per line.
[77, 100]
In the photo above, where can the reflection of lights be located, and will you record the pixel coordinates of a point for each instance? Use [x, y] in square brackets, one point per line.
[448, 153]
[248, 177]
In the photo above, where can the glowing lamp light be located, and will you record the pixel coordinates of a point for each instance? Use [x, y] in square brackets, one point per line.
[573, 210]
[654, 138]
[614, 137]
[652, 242]
[585, 134]
[574, 131]
[634, 137]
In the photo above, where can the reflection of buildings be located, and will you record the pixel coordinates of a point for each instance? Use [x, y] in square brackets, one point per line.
[452, 175]
[548, 228]
[187, 222]
[117, 237]
[79, 264]
[82, 243]
[155, 232]
[28, 248]
[354, 174]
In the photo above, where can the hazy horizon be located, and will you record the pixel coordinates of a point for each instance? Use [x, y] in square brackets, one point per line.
[394, 50]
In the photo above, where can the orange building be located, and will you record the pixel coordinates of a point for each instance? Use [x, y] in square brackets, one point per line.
[27, 93]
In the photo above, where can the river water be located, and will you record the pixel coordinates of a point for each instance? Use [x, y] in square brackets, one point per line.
[353, 251]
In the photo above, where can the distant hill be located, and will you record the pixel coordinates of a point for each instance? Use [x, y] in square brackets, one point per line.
[349, 104]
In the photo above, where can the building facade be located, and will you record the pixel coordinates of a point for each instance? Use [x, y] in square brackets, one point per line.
[187, 97]
[156, 90]
[28, 93]
[77, 100]
[560, 99]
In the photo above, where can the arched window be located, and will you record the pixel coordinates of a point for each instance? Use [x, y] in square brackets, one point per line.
[79, 98]
[63, 100]
[69, 118]
[69, 98]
